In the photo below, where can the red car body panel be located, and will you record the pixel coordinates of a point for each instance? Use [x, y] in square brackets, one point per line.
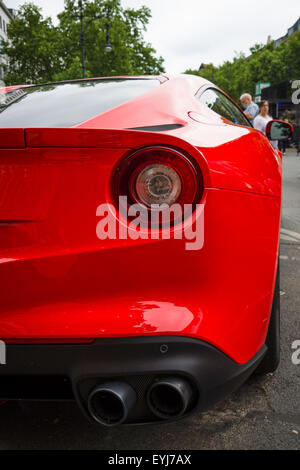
[58, 281]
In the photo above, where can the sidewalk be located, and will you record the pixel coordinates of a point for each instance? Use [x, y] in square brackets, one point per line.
[291, 191]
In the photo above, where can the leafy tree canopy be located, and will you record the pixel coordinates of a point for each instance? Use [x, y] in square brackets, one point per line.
[40, 52]
[266, 63]
[31, 48]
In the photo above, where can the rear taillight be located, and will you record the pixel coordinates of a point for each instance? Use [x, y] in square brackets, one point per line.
[158, 176]
[156, 184]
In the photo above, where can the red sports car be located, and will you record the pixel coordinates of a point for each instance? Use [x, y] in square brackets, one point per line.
[136, 322]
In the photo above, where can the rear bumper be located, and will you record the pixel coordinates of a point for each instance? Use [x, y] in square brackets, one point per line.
[141, 288]
[71, 371]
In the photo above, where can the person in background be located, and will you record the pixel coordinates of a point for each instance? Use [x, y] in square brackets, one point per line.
[262, 119]
[283, 144]
[250, 108]
[288, 116]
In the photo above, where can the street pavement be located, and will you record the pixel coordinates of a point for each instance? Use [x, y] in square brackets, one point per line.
[291, 191]
[263, 414]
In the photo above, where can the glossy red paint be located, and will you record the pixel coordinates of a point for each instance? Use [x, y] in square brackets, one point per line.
[12, 138]
[59, 281]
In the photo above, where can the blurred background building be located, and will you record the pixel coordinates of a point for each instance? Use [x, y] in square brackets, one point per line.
[6, 16]
[292, 30]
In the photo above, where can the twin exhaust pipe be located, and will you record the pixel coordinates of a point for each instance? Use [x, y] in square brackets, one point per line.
[111, 403]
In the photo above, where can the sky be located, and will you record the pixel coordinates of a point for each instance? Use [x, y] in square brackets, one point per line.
[190, 32]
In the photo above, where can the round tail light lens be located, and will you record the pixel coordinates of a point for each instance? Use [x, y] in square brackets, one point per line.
[157, 184]
[158, 176]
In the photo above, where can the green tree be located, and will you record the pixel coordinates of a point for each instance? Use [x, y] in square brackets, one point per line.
[72, 72]
[266, 63]
[31, 47]
[39, 52]
[130, 54]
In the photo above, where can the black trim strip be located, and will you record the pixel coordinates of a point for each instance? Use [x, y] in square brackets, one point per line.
[15, 222]
[159, 128]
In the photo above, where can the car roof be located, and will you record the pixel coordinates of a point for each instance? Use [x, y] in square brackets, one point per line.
[162, 78]
[113, 106]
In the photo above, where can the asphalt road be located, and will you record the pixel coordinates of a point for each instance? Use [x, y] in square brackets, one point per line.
[291, 192]
[263, 414]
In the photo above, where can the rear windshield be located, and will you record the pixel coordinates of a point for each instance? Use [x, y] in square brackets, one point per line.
[68, 104]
